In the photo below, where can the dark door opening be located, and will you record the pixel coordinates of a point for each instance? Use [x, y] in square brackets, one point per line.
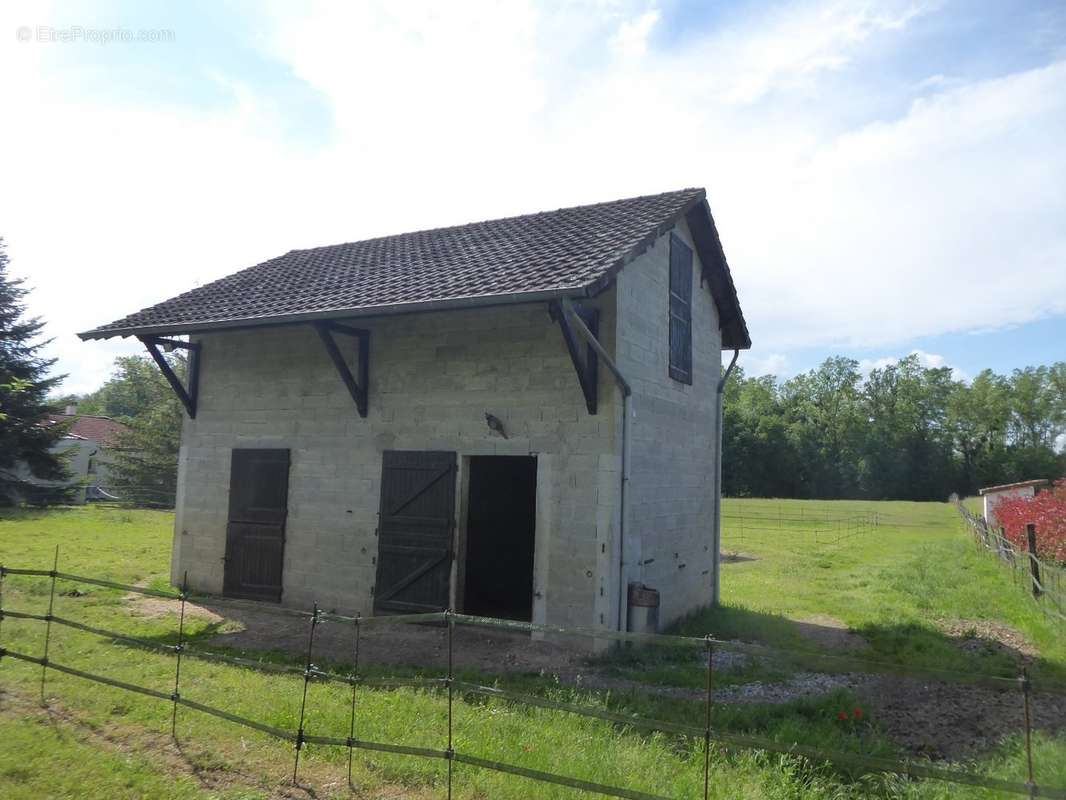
[255, 535]
[500, 532]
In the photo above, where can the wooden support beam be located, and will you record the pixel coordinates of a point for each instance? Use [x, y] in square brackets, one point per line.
[187, 396]
[587, 367]
[357, 387]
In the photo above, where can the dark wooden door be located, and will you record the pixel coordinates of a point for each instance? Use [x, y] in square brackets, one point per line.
[415, 526]
[255, 535]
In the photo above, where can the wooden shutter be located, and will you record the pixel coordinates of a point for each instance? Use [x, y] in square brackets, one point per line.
[255, 535]
[680, 310]
[415, 529]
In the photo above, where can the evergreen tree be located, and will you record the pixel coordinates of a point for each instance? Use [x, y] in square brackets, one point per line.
[26, 436]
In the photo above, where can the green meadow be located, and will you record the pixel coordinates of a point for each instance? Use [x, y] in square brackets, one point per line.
[893, 587]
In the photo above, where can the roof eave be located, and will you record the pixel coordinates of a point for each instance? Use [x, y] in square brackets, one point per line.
[731, 321]
[390, 309]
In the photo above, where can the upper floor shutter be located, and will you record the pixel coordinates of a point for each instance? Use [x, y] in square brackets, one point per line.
[680, 310]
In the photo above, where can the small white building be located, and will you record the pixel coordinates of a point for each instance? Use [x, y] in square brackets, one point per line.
[515, 418]
[993, 495]
[85, 443]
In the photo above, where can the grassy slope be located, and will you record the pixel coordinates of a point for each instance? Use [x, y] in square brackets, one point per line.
[129, 546]
[890, 585]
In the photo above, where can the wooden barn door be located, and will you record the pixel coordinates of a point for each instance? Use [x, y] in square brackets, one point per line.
[415, 527]
[255, 536]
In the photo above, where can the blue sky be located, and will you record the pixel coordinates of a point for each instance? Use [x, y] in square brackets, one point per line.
[887, 176]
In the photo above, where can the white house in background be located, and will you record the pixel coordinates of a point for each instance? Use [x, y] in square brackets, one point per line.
[993, 495]
[515, 418]
[86, 441]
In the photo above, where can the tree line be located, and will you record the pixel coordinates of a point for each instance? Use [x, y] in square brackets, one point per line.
[903, 432]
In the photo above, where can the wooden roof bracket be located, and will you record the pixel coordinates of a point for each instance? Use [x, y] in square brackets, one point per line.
[357, 387]
[587, 366]
[187, 395]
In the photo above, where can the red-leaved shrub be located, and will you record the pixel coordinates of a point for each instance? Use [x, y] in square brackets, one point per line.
[1047, 511]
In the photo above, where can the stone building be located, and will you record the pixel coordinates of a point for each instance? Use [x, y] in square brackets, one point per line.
[515, 418]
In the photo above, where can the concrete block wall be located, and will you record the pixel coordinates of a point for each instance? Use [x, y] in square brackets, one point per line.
[674, 439]
[432, 378]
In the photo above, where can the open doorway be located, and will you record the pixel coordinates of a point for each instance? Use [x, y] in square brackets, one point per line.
[500, 534]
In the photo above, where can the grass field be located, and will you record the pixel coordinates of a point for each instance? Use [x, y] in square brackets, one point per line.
[891, 586]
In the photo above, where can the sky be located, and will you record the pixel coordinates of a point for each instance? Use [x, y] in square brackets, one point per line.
[887, 177]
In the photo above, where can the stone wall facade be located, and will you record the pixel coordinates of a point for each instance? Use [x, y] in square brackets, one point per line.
[674, 440]
[432, 379]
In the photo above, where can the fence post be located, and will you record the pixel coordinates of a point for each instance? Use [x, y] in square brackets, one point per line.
[1031, 782]
[1034, 563]
[707, 721]
[178, 650]
[303, 702]
[355, 680]
[451, 680]
[48, 623]
[3, 572]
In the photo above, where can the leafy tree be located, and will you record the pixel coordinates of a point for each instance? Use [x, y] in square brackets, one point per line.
[823, 415]
[26, 438]
[755, 441]
[145, 466]
[977, 417]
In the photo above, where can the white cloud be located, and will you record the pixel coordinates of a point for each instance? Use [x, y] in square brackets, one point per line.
[927, 360]
[631, 39]
[943, 218]
[770, 364]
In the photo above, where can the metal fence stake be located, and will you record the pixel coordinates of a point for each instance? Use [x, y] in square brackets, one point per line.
[707, 721]
[3, 571]
[451, 679]
[48, 623]
[355, 679]
[178, 652]
[303, 702]
[1031, 783]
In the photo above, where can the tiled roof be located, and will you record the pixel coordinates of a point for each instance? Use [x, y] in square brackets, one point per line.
[570, 252]
[102, 430]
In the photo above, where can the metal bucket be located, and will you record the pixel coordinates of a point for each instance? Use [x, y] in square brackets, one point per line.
[643, 611]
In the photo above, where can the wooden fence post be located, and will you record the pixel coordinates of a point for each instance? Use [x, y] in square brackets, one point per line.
[1034, 563]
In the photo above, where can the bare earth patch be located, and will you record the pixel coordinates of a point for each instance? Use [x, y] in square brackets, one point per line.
[155, 607]
[948, 721]
[983, 637]
[829, 633]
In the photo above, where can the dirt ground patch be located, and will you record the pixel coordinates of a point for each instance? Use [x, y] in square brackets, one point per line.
[983, 637]
[948, 721]
[829, 633]
[155, 607]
